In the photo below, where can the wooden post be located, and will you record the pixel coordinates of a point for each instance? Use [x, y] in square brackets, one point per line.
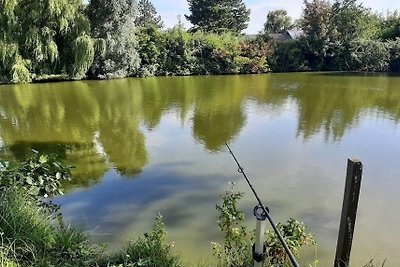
[349, 212]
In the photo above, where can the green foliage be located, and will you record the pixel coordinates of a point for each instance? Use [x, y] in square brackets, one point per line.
[147, 15]
[84, 55]
[390, 26]
[394, 49]
[148, 251]
[289, 56]
[112, 21]
[37, 38]
[255, 54]
[40, 176]
[218, 16]
[216, 53]
[176, 57]
[31, 237]
[278, 21]
[351, 22]
[236, 249]
[13, 68]
[150, 46]
[295, 235]
[316, 24]
[23, 225]
[370, 55]
[19, 72]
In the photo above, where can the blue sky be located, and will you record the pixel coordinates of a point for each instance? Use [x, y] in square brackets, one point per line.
[170, 9]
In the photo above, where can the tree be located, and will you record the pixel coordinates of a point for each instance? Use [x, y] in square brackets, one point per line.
[113, 21]
[316, 24]
[370, 55]
[277, 22]
[218, 16]
[351, 22]
[390, 26]
[150, 41]
[43, 37]
[147, 15]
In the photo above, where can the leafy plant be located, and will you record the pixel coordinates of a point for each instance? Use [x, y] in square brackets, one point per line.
[236, 249]
[40, 176]
[148, 251]
[295, 235]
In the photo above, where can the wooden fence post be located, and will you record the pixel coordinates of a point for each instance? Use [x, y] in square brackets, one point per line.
[349, 212]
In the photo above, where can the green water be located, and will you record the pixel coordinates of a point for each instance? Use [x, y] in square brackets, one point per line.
[143, 146]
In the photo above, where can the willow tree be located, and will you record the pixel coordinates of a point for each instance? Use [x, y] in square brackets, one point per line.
[42, 37]
[113, 21]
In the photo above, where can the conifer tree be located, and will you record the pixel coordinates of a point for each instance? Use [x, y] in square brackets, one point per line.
[218, 16]
[147, 15]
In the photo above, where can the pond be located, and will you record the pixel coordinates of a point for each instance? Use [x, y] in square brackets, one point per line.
[141, 146]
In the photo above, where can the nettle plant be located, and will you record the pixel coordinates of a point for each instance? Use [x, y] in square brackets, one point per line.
[236, 250]
[40, 176]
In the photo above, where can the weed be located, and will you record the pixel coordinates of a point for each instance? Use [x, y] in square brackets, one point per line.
[236, 249]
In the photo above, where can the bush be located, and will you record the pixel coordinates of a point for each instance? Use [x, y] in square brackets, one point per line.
[40, 176]
[236, 249]
[176, 57]
[148, 251]
[150, 45]
[369, 55]
[288, 56]
[394, 48]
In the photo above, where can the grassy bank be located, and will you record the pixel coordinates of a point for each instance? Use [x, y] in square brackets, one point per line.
[34, 236]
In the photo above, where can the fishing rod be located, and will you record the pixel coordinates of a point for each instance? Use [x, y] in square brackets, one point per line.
[264, 210]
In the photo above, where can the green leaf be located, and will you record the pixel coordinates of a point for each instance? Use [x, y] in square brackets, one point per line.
[43, 159]
[29, 180]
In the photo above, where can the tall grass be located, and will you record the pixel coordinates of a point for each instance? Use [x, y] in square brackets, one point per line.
[31, 235]
[25, 227]
[150, 250]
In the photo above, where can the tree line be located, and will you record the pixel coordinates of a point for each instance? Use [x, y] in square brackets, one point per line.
[338, 36]
[56, 39]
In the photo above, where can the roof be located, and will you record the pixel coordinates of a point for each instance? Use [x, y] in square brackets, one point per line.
[295, 33]
[287, 35]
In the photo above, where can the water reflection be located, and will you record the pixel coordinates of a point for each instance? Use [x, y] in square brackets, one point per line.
[96, 125]
[292, 132]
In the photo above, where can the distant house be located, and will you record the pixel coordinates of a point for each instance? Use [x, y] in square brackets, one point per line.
[294, 34]
[288, 35]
